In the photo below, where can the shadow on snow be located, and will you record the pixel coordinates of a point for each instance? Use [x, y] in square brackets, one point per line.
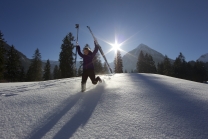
[80, 118]
[193, 113]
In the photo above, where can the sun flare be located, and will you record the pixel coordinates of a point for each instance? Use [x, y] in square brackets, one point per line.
[115, 46]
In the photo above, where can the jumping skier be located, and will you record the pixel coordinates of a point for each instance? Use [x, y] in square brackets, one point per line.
[88, 67]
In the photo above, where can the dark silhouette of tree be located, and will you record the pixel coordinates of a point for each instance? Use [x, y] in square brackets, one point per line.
[200, 73]
[145, 64]
[105, 68]
[141, 63]
[47, 71]
[13, 65]
[66, 57]
[35, 70]
[2, 54]
[56, 73]
[118, 63]
[160, 68]
[167, 66]
[22, 77]
[179, 67]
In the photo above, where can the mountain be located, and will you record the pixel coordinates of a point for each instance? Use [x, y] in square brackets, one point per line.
[203, 58]
[24, 60]
[130, 59]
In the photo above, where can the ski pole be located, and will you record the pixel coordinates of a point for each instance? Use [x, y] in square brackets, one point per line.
[100, 49]
[77, 27]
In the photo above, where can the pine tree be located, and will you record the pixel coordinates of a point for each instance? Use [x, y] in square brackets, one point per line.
[105, 68]
[150, 64]
[167, 67]
[118, 63]
[2, 54]
[179, 67]
[56, 73]
[22, 74]
[47, 71]
[66, 58]
[200, 72]
[35, 70]
[160, 68]
[141, 63]
[13, 65]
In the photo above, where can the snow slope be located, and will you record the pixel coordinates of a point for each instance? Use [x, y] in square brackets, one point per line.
[127, 106]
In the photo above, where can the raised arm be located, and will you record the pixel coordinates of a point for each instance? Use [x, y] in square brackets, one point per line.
[95, 51]
[79, 52]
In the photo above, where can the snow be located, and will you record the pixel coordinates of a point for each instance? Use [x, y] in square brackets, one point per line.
[126, 106]
[204, 58]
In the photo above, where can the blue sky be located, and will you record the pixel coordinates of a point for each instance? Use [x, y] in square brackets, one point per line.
[168, 26]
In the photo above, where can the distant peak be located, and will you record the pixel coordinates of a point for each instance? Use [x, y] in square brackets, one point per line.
[143, 46]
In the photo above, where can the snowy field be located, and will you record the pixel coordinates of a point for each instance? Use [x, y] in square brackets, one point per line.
[132, 106]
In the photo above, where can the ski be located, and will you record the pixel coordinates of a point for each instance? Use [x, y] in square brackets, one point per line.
[100, 49]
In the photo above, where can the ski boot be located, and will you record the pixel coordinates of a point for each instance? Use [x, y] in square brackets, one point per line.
[83, 87]
[99, 79]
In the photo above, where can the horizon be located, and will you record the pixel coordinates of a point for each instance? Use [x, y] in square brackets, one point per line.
[169, 27]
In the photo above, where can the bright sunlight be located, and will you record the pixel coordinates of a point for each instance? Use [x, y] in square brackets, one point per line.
[116, 46]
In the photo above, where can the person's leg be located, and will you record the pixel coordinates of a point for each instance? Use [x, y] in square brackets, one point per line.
[92, 77]
[84, 80]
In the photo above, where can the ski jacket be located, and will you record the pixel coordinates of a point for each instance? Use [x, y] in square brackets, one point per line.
[88, 59]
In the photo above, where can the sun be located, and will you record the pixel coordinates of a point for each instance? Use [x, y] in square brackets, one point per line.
[116, 46]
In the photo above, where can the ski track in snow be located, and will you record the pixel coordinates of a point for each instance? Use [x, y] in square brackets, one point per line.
[126, 106]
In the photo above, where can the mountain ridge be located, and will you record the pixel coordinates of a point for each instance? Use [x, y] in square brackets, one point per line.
[203, 58]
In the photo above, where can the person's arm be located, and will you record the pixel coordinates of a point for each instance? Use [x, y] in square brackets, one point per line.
[79, 52]
[95, 51]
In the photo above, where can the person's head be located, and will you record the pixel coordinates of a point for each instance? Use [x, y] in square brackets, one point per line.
[86, 51]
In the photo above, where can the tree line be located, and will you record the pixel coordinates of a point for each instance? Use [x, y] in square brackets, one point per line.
[12, 70]
[179, 68]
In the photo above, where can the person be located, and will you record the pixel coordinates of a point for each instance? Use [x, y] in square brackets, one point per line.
[88, 67]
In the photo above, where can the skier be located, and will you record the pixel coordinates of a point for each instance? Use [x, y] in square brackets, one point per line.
[88, 67]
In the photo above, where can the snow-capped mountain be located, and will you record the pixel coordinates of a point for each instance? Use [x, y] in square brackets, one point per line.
[130, 59]
[203, 58]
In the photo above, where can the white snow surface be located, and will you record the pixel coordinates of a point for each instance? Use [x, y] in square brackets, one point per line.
[133, 106]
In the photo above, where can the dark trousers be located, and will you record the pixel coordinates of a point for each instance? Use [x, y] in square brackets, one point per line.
[91, 74]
